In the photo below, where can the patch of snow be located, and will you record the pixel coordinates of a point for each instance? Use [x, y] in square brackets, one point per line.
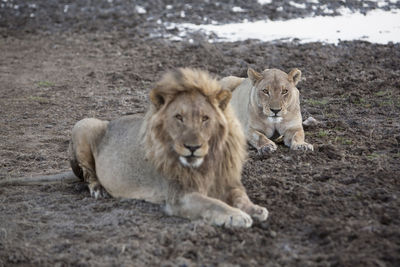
[297, 5]
[326, 10]
[381, 4]
[238, 9]
[140, 10]
[377, 26]
[344, 11]
[264, 2]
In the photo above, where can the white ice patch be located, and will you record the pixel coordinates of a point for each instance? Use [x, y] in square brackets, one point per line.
[297, 5]
[326, 10]
[238, 9]
[380, 3]
[377, 26]
[140, 10]
[264, 2]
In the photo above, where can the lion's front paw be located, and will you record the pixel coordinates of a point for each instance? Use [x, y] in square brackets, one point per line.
[302, 146]
[234, 219]
[97, 191]
[259, 213]
[267, 148]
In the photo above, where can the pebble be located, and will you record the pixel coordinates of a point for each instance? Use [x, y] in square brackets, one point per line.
[310, 122]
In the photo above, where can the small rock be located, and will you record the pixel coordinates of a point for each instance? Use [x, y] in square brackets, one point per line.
[272, 234]
[310, 122]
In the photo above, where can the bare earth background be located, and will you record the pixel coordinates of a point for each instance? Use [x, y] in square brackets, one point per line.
[337, 206]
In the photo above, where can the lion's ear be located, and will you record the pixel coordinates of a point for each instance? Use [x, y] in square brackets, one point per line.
[294, 76]
[157, 99]
[223, 98]
[253, 75]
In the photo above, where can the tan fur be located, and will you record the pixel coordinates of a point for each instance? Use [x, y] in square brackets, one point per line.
[187, 152]
[257, 99]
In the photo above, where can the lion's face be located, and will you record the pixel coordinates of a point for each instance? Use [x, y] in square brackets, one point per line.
[275, 91]
[191, 122]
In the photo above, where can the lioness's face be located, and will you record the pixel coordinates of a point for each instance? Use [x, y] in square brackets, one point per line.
[274, 90]
[191, 121]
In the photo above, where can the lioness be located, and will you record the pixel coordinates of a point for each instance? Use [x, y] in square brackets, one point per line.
[187, 152]
[268, 106]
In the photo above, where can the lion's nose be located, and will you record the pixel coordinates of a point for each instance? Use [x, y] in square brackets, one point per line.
[275, 110]
[192, 148]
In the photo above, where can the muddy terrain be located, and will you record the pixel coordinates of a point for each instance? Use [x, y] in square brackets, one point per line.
[336, 206]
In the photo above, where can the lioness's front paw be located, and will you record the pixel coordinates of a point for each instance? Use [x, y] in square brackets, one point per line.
[303, 146]
[267, 148]
[259, 213]
[97, 191]
[236, 219]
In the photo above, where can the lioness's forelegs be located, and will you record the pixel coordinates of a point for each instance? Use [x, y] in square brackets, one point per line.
[197, 206]
[85, 136]
[239, 199]
[260, 142]
[294, 138]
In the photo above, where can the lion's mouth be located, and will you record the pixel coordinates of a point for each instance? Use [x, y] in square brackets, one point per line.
[191, 161]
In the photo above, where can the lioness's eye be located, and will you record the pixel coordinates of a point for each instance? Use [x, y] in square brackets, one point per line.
[205, 118]
[284, 92]
[265, 91]
[179, 117]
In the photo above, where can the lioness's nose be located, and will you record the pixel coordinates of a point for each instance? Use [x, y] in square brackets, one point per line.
[192, 148]
[275, 110]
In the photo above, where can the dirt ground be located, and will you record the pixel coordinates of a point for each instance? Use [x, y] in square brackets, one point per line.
[336, 206]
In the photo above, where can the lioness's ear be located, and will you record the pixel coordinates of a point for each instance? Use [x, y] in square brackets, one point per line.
[223, 98]
[157, 99]
[253, 75]
[294, 76]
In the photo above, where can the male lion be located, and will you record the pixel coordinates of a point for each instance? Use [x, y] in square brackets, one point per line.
[187, 152]
[268, 106]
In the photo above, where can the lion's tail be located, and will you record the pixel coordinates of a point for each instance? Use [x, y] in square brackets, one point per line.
[231, 82]
[66, 177]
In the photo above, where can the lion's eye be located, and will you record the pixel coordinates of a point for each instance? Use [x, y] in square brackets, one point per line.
[205, 118]
[284, 92]
[265, 91]
[179, 117]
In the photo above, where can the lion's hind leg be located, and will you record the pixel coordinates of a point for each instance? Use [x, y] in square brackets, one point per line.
[86, 135]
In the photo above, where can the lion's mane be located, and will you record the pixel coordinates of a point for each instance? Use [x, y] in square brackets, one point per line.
[222, 165]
